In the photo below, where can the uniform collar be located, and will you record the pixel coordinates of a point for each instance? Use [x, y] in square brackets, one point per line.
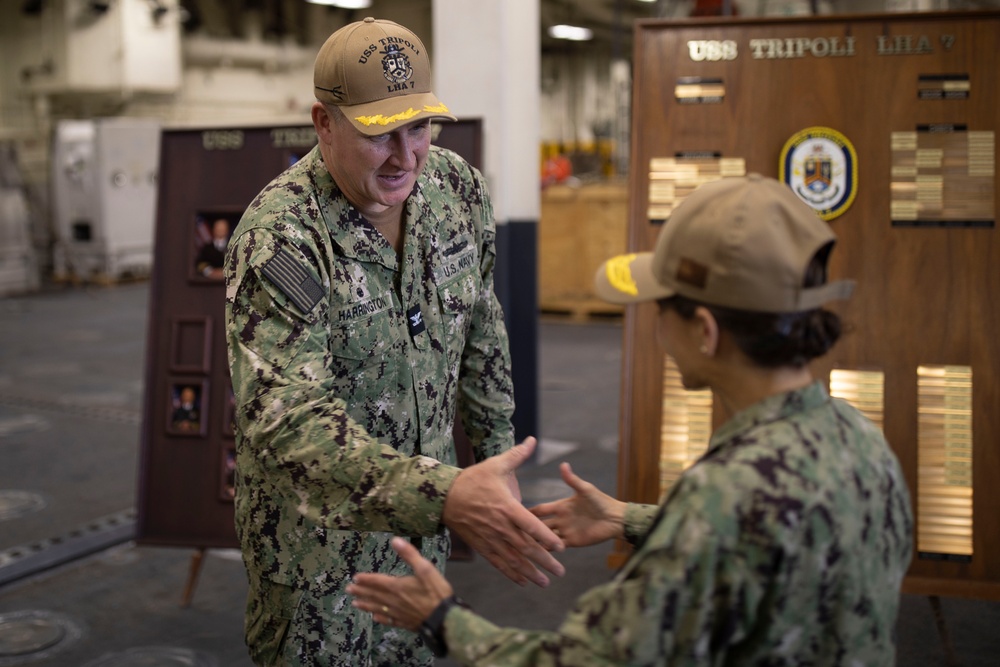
[357, 238]
[771, 409]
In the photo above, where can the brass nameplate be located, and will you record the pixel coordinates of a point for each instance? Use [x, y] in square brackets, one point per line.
[671, 179]
[942, 175]
[699, 90]
[945, 492]
[943, 86]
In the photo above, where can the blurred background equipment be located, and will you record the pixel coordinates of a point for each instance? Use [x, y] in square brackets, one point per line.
[18, 264]
[104, 197]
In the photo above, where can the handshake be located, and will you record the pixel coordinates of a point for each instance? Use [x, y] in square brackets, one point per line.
[483, 507]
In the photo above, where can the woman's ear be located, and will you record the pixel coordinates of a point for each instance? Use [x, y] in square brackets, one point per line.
[707, 331]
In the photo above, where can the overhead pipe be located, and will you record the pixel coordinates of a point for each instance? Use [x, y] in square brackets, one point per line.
[207, 52]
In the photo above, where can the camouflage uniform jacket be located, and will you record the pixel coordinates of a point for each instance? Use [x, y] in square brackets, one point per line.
[785, 544]
[348, 364]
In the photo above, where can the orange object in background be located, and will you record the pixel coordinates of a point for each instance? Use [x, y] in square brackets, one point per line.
[556, 169]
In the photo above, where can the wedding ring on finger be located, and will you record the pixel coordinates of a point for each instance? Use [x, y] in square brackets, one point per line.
[385, 612]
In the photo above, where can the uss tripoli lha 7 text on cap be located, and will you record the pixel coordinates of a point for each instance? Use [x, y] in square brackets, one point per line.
[379, 74]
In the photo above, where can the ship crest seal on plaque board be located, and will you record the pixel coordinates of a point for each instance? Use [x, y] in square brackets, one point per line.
[819, 164]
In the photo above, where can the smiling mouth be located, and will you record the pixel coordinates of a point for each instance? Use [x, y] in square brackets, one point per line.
[394, 178]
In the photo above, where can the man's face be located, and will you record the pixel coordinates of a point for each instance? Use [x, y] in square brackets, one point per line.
[220, 230]
[375, 173]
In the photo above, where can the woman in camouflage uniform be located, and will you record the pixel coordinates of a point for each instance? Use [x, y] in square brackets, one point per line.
[786, 543]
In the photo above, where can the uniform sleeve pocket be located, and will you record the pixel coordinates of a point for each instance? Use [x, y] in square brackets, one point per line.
[273, 327]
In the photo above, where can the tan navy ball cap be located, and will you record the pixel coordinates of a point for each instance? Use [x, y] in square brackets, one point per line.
[741, 242]
[379, 74]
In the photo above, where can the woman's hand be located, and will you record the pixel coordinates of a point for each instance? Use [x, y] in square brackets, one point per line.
[401, 601]
[589, 517]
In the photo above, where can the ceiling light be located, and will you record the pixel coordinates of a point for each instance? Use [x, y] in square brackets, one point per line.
[573, 32]
[346, 4]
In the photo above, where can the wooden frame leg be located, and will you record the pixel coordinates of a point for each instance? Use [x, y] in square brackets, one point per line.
[196, 561]
[949, 651]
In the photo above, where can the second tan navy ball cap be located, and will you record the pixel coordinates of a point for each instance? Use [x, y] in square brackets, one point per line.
[740, 242]
[379, 74]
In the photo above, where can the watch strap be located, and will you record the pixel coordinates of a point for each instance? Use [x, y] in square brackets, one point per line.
[432, 629]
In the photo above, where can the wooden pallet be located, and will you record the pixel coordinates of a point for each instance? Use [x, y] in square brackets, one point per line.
[98, 278]
[581, 310]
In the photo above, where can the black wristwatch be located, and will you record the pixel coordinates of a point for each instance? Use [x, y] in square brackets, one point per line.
[432, 629]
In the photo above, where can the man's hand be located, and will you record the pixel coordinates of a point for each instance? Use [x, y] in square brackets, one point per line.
[482, 509]
[586, 518]
[402, 601]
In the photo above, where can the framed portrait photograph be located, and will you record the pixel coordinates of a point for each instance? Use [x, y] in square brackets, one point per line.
[209, 239]
[187, 407]
[227, 474]
[191, 345]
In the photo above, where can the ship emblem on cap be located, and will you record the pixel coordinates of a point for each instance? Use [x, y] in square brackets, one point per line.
[396, 66]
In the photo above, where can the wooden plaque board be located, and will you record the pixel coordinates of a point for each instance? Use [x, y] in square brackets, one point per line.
[916, 97]
[187, 454]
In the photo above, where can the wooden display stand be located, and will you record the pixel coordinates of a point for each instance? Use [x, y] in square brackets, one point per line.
[579, 228]
[913, 106]
[208, 176]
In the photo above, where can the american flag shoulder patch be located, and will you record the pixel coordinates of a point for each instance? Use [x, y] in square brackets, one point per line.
[293, 280]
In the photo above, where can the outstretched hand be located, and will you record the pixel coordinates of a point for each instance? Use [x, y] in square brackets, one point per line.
[401, 601]
[588, 517]
[483, 508]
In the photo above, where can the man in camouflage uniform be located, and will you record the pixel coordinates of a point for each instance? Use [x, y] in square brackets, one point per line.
[787, 542]
[361, 318]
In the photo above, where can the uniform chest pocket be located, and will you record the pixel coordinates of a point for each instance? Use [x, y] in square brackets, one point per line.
[364, 331]
[459, 283]
[458, 299]
[458, 296]
[365, 360]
